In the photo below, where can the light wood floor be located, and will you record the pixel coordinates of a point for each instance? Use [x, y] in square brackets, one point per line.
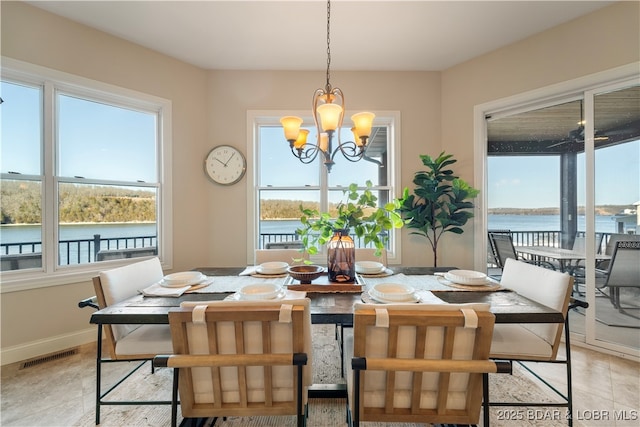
[61, 392]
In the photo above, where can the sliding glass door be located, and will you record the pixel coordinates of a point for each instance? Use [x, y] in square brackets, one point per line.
[565, 173]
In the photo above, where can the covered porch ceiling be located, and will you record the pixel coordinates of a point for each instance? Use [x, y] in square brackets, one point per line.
[558, 129]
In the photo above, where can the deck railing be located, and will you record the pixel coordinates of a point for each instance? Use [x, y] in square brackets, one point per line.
[79, 251]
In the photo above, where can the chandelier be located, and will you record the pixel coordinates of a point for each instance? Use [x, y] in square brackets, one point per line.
[328, 114]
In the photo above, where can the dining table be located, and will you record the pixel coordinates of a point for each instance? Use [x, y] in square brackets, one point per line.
[334, 307]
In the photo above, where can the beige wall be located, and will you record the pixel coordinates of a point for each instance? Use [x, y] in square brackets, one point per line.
[209, 108]
[599, 41]
[415, 94]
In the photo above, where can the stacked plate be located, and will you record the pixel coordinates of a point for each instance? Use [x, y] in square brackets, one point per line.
[466, 277]
[261, 291]
[182, 279]
[392, 292]
[369, 267]
[273, 267]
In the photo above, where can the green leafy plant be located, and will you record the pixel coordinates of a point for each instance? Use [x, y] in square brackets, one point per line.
[440, 203]
[360, 214]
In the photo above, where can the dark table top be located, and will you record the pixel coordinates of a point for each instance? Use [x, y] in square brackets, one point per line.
[330, 308]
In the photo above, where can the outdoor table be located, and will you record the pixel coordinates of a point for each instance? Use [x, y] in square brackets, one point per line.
[564, 257]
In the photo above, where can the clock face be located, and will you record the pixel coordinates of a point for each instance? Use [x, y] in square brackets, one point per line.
[225, 165]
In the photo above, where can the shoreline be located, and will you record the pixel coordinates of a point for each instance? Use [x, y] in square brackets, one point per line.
[82, 223]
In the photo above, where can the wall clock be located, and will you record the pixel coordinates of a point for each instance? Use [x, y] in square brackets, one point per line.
[225, 165]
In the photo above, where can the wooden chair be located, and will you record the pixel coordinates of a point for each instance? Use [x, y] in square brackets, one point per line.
[126, 343]
[524, 343]
[284, 255]
[240, 358]
[419, 363]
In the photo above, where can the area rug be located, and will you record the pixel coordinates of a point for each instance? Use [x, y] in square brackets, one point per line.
[322, 412]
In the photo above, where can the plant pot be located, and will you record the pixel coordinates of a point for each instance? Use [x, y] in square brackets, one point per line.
[341, 257]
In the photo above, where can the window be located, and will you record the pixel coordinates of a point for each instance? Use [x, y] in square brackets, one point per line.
[81, 170]
[282, 182]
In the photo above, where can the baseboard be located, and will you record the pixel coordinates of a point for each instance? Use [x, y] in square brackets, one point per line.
[46, 346]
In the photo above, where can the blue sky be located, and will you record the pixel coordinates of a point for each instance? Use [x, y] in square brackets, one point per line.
[121, 146]
[533, 181]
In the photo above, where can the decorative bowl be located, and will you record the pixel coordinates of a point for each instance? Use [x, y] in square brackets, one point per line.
[305, 273]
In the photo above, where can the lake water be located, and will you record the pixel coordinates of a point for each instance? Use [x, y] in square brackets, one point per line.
[604, 224]
[31, 233]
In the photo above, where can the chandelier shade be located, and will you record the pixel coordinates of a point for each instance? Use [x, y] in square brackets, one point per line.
[328, 113]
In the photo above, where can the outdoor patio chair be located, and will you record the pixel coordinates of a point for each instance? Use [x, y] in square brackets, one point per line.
[502, 244]
[493, 263]
[290, 244]
[623, 272]
[419, 363]
[528, 343]
[127, 343]
[240, 358]
[602, 266]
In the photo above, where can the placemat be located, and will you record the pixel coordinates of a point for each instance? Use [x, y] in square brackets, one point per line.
[429, 283]
[224, 284]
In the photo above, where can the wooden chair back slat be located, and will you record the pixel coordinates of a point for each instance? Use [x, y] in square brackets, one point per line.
[243, 360]
[428, 325]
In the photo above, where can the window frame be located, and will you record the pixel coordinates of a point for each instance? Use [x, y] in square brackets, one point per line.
[52, 83]
[258, 118]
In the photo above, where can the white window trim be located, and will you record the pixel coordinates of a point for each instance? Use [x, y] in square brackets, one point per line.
[257, 118]
[52, 274]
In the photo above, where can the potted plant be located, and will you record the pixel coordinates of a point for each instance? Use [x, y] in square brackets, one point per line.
[440, 203]
[359, 215]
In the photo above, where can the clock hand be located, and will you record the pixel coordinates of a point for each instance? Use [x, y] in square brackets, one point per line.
[229, 159]
[221, 162]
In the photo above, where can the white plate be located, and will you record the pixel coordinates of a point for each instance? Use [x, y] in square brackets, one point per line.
[260, 291]
[466, 277]
[412, 299]
[369, 267]
[238, 297]
[392, 292]
[182, 279]
[273, 267]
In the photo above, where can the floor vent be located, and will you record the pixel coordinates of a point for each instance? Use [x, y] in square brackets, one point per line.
[48, 358]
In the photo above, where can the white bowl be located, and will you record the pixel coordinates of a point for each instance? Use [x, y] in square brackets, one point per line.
[369, 267]
[260, 291]
[393, 292]
[183, 278]
[273, 267]
[466, 277]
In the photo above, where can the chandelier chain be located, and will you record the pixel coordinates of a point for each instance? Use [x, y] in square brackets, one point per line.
[328, 43]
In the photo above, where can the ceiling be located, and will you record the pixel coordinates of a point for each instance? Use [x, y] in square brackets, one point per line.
[291, 35]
